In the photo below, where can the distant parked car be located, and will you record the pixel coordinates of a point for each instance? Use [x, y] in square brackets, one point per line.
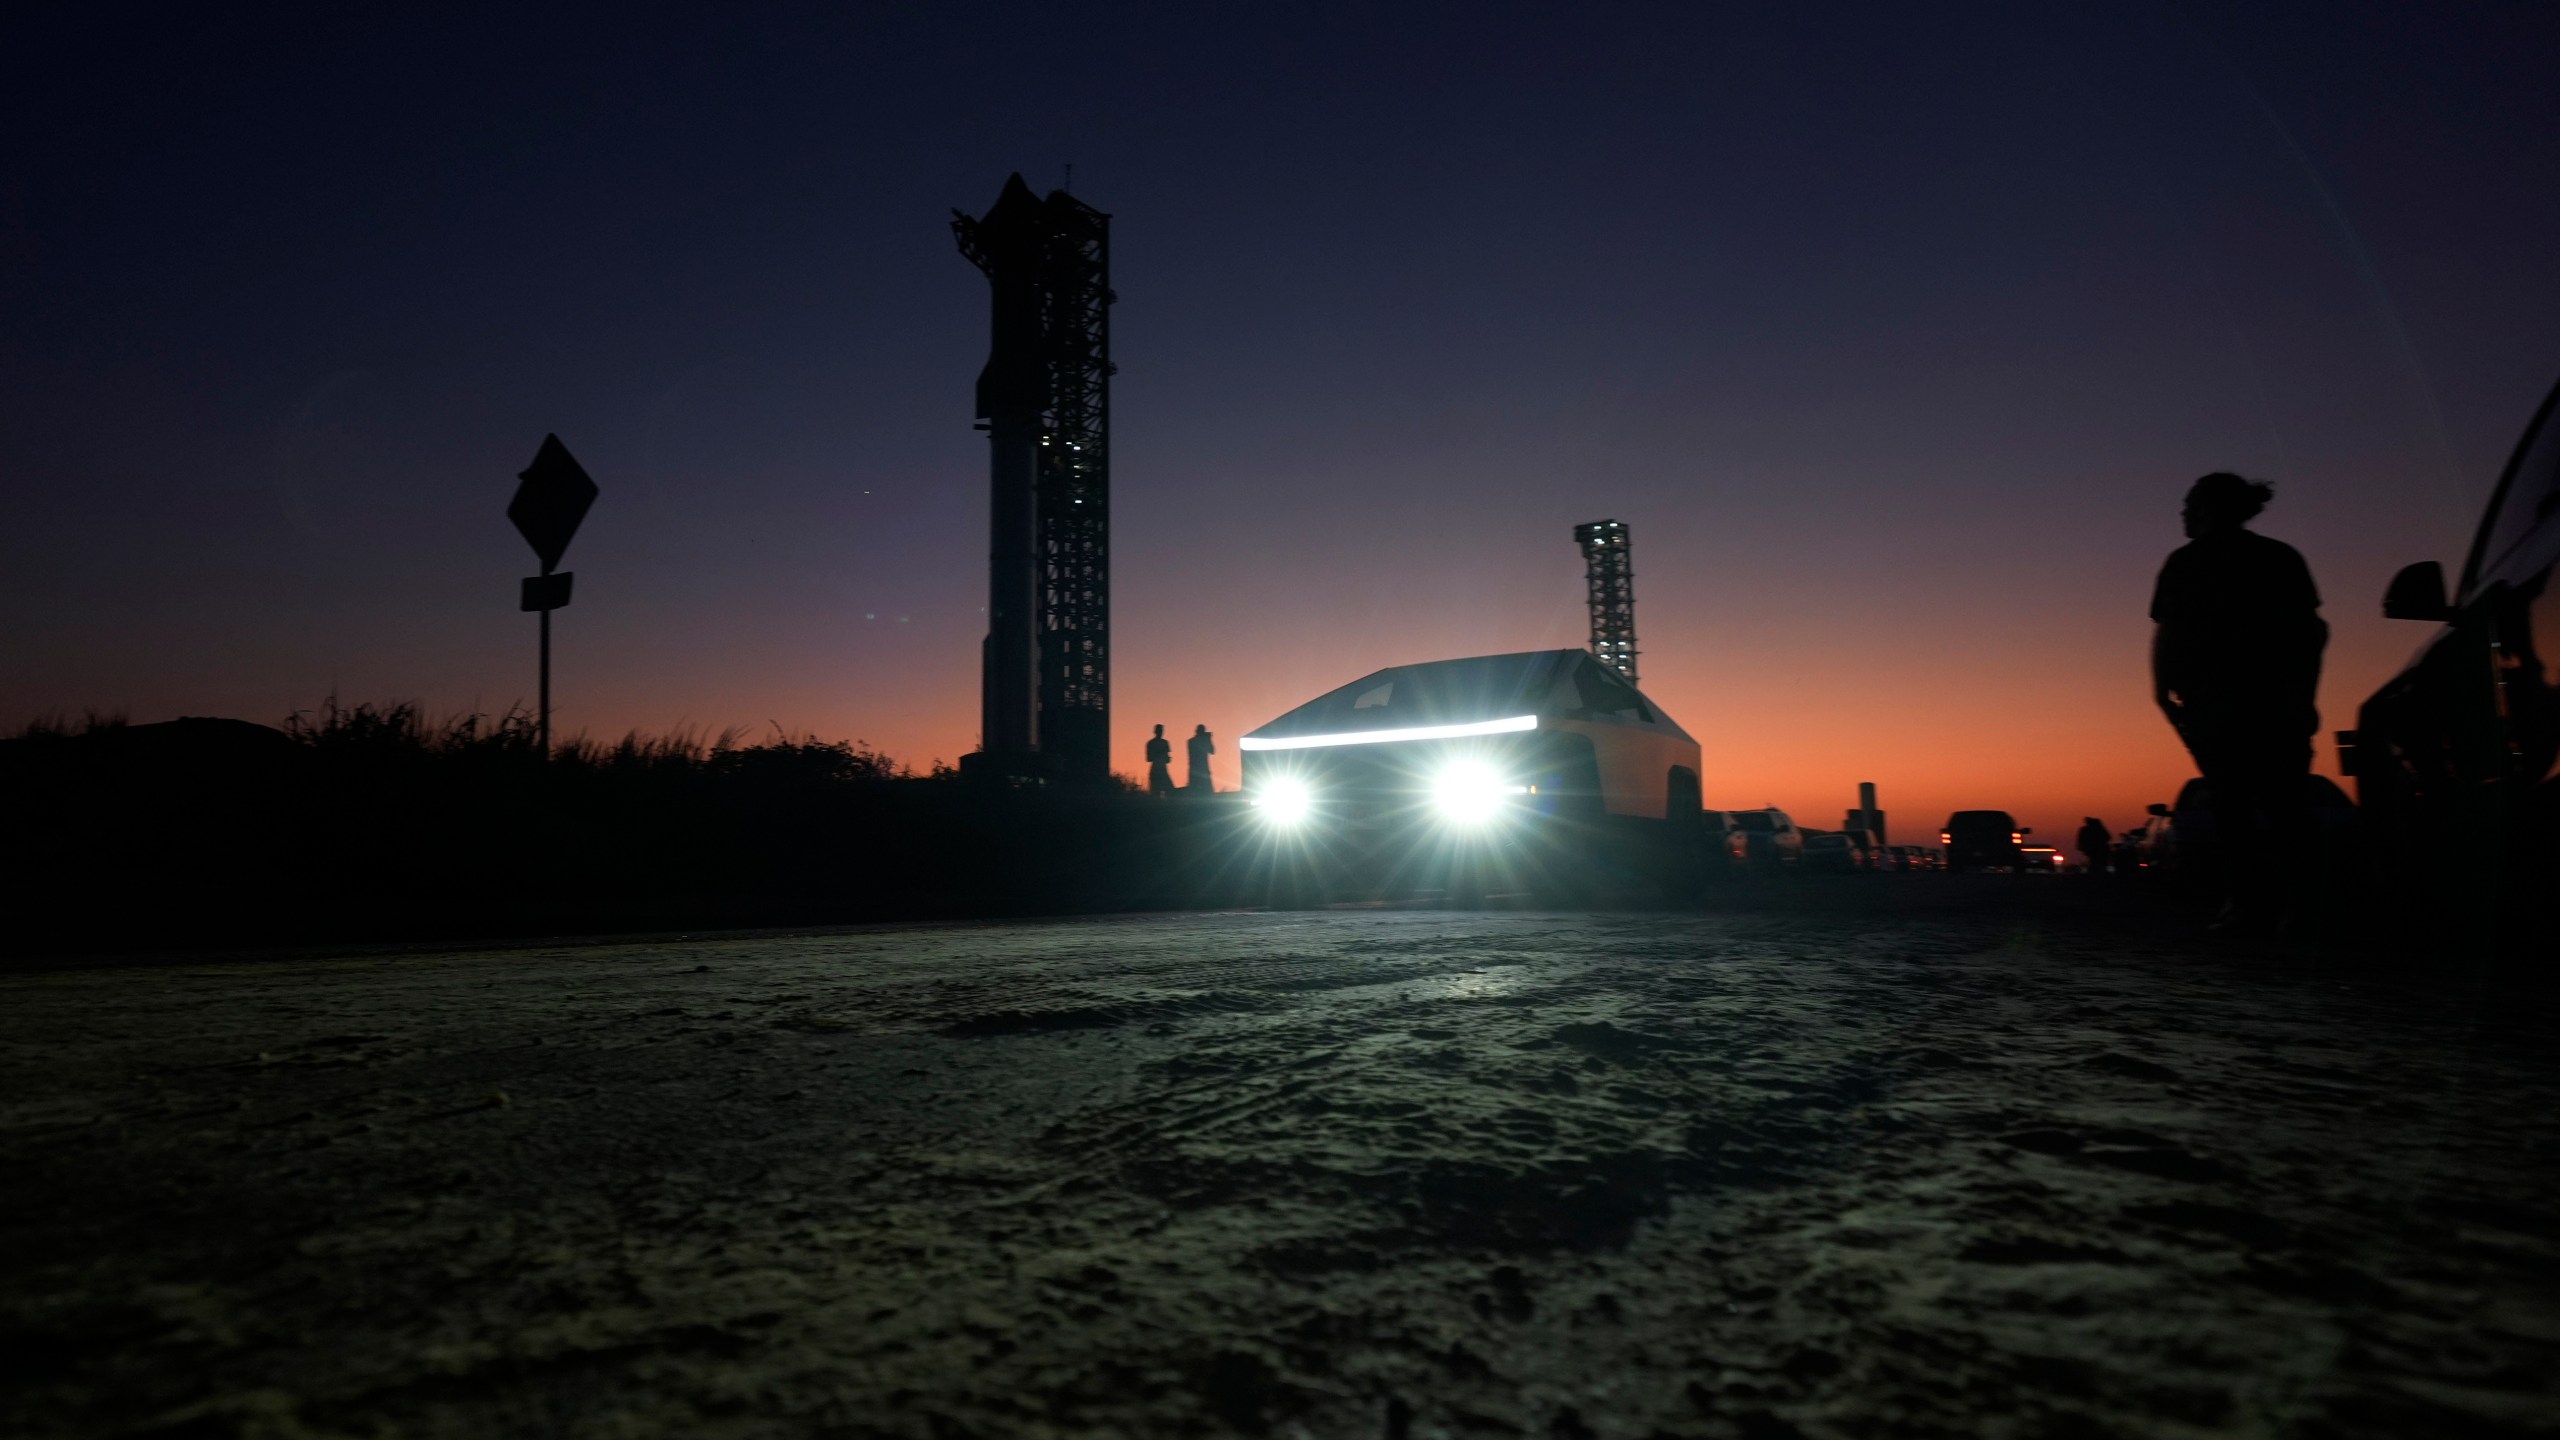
[2187, 841]
[2457, 758]
[2152, 845]
[1832, 850]
[1768, 836]
[2040, 860]
[1719, 837]
[1982, 840]
[2199, 847]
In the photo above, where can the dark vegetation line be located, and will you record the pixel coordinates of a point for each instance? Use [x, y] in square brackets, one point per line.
[373, 822]
[512, 738]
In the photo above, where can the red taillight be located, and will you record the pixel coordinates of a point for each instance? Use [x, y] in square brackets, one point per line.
[1945, 839]
[2017, 836]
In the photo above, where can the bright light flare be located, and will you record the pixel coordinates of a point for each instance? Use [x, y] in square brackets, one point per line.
[1285, 800]
[1509, 725]
[1471, 792]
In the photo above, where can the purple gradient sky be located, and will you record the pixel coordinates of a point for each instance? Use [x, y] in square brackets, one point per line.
[1895, 333]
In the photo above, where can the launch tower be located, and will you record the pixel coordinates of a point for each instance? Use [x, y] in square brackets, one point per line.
[1612, 580]
[1044, 400]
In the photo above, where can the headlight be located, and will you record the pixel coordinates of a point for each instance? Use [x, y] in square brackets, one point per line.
[1470, 792]
[1285, 800]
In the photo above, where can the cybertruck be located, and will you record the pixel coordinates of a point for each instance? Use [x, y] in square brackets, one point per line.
[1540, 773]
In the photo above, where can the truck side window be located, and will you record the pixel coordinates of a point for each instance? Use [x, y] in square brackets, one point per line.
[1604, 691]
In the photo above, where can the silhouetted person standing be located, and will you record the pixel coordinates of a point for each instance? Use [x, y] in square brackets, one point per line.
[2235, 664]
[1201, 747]
[2095, 839]
[1159, 764]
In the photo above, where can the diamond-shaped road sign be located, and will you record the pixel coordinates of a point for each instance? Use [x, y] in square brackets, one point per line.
[552, 500]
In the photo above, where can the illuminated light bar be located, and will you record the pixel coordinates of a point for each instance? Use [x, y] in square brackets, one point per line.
[1380, 737]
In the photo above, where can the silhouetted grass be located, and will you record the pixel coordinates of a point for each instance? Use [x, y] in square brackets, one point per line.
[377, 822]
[56, 727]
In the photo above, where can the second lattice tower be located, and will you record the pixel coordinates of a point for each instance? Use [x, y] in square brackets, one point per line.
[1613, 594]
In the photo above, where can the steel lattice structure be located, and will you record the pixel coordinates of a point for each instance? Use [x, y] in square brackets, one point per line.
[1612, 582]
[1046, 399]
[1075, 492]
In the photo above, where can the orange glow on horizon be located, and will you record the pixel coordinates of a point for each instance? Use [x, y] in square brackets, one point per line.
[2048, 738]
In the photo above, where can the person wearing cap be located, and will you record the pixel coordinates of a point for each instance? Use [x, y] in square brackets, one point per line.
[2235, 665]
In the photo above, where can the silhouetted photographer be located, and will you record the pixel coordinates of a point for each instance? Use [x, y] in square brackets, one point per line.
[2235, 664]
[1200, 747]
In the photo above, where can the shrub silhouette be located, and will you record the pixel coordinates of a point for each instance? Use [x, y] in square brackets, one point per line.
[372, 821]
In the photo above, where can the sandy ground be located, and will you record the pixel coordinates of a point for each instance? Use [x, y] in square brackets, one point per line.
[1996, 1172]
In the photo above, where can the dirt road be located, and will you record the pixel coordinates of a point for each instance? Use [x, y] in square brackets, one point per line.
[1363, 1174]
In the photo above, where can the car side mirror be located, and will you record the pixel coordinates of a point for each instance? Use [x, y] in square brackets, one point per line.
[2417, 593]
[2157, 809]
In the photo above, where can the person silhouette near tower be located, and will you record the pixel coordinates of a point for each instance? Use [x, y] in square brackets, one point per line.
[1200, 747]
[1159, 764]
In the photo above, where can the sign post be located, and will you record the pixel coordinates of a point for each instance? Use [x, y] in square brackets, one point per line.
[551, 498]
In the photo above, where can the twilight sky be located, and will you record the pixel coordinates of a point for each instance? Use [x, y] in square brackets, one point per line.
[1894, 332]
